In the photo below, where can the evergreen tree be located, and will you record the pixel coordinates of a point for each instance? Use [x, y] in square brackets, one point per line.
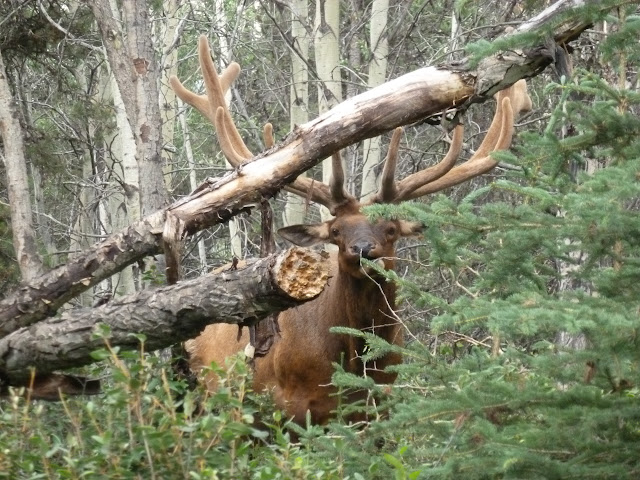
[490, 393]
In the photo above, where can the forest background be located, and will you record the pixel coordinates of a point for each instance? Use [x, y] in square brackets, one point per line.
[521, 300]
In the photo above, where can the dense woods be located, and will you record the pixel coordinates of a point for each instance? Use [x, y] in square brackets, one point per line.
[519, 302]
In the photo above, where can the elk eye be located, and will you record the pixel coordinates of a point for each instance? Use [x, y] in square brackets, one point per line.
[391, 231]
[335, 232]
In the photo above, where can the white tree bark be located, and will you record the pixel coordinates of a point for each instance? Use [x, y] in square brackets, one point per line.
[42, 224]
[371, 150]
[126, 36]
[167, 101]
[295, 207]
[127, 39]
[123, 199]
[327, 54]
[24, 242]
[147, 128]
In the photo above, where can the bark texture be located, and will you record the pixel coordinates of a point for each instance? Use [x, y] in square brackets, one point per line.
[24, 242]
[166, 315]
[132, 59]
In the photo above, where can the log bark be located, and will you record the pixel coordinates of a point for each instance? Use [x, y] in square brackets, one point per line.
[405, 100]
[165, 315]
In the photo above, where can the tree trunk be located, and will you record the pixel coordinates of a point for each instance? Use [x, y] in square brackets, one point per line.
[295, 208]
[170, 28]
[127, 39]
[371, 150]
[327, 54]
[166, 315]
[122, 207]
[24, 241]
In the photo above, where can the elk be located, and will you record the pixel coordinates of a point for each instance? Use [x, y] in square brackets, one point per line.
[299, 365]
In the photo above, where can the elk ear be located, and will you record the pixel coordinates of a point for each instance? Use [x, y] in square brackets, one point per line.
[306, 235]
[408, 229]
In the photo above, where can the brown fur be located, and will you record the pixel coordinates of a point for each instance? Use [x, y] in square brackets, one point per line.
[54, 385]
[299, 366]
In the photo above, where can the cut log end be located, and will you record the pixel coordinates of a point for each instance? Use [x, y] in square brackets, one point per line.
[300, 273]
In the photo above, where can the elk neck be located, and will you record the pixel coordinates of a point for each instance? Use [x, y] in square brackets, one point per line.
[365, 303]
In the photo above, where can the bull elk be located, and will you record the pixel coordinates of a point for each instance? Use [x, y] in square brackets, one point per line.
[298, 367]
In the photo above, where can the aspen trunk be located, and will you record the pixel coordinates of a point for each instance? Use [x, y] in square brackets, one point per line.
[327, 53]
[371, 149]
[295, 207]
[24, 242]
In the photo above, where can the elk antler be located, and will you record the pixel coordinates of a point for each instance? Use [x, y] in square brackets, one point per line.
[430, 180]
[444, 174]
[214, 108]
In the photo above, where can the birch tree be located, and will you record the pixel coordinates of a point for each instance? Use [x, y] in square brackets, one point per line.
[13, 156]
[327, 55]
[371, 150]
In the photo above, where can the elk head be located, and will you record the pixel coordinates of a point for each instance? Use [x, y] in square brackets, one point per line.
[351, 231]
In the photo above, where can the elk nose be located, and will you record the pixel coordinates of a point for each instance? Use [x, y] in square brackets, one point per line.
[362, 249]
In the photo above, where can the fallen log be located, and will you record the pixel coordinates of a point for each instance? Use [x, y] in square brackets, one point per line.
[164, 315]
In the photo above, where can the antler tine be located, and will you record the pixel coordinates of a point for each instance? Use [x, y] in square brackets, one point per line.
[216, 86]
[267, 135]
[339, 195]
[493, 133]
[474, 166]
[201, 102]
[215, 94]
[498, 137]
[405, 187]
[520, 102]
[228, 142]
[388, 191]
[520, 99]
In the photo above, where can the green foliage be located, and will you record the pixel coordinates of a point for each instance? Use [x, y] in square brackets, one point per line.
[148, 424]
[145, 425]
[497, 394]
